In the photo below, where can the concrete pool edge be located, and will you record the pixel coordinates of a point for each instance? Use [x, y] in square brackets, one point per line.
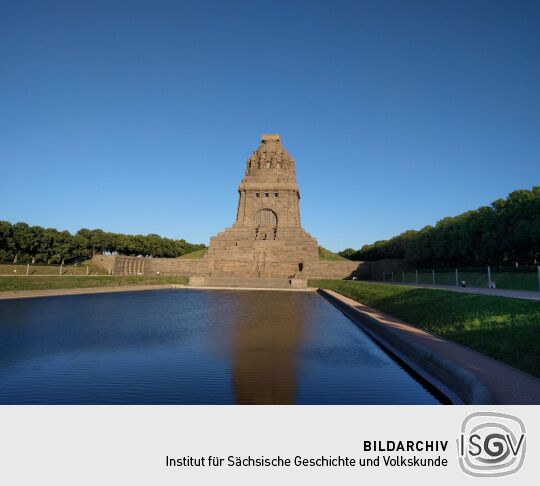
[447, 376]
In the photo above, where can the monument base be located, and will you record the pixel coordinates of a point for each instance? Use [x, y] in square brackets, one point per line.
[249, 282]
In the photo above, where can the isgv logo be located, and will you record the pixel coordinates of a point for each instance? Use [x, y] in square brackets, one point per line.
[491, 444]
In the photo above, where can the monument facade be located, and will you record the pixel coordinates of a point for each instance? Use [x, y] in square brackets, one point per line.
[267, 239]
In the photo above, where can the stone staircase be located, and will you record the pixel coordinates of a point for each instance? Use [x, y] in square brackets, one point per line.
[249, 282]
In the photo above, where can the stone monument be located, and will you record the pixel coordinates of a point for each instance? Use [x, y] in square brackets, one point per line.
[266, 240]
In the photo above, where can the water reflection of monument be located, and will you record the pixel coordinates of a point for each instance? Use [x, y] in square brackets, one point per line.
[266, 338]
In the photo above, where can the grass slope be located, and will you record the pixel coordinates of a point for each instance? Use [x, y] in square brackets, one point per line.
[503, 328]
[195, 254]
[57, 282]
[325, 254]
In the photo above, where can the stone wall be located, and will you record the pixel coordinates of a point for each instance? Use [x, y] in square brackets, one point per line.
[337, 270]
[178, 266]
[126, 265]
[379, 267]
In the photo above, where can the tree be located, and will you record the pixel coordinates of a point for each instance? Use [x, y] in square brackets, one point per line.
[62, 245]
[22, 240]
[6, 241]
[347, 253]
[506, 232]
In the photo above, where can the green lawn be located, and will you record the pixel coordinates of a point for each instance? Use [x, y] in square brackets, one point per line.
[505, 329]
[66, 282]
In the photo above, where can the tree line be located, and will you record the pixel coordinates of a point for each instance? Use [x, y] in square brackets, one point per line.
[505, 233]
[21, 243]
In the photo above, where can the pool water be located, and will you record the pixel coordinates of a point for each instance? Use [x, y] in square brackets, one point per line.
[193, 347]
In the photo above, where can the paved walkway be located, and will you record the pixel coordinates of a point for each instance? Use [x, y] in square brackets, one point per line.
[516, 294]
[508, 385]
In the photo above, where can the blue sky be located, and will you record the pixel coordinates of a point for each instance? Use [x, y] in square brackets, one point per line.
[138, 117]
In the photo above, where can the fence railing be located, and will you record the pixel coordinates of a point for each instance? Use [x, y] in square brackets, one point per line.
[487, 277]
[48, 270]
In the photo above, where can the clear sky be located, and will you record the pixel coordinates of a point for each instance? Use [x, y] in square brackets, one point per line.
[138, 116]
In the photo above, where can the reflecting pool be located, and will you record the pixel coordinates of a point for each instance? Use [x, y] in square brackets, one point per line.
[193, 347]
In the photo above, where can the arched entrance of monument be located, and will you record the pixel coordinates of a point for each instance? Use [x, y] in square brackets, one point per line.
[265, 225]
